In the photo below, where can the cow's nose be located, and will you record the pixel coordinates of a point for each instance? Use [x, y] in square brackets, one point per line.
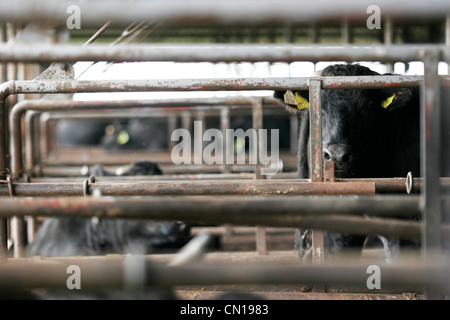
[337, 153]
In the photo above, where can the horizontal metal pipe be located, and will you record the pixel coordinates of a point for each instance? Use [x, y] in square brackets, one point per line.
[207, 84]
[75, 171]
[322, 212]
[152, 112]
[269, 187]
[382, 185]
[215, 53]
[93, 155]
[217, 12]
[103, 272]
[166, 177]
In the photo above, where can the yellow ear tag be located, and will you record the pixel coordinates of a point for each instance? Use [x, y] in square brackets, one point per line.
[298, 100]
[388, 101]
[123, 137]
[289, 98]
[301, 102]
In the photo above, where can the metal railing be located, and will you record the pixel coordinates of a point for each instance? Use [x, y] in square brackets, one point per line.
[261, 211]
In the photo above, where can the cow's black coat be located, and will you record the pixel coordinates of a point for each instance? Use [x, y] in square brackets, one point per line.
[364, 139]
[84, 236]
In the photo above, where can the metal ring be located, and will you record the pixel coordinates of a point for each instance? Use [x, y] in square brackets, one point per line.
[10, 188]
[409, 182]
[85, 187]
[86, 183]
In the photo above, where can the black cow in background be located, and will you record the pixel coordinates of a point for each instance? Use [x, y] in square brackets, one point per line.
[58, 237]
[366, 137]
[136, 134]
[143, 134]
[152, 134]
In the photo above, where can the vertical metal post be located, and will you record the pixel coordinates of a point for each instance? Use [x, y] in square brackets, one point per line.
[186, 120]
[52, 138]
[430, 161]
[29, 133]
[257, 125]
[261, 244]
[36, 143]
[17, 223]
[345, 32]
[198, 138]
[316, 161]
[172, 125]
[31, 159]
[43, 132]
[388, 40]
[315, 116]
[447, 38]
[3, 221]
[3, 239]
[314, 35]
[224, 125]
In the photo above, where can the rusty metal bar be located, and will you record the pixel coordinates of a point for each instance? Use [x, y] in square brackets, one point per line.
[214, 53]
[315, 116]
[207, 84]
[223, 187]
[320, 212]
[216, 13]
[165, 177]
[382, 185]
[316, 160]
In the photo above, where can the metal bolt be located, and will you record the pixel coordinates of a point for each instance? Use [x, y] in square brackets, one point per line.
[64, 66]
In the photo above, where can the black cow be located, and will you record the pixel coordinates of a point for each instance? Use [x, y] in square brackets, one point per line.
[134, 134]
[362, 134]
[85, 236]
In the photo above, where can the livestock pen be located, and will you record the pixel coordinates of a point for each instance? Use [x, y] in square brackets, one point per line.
[254, 216]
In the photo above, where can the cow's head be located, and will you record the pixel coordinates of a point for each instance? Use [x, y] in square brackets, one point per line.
[356, 123]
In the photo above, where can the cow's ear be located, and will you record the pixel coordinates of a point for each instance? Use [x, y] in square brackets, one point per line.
[294, 99]
[393, 99]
